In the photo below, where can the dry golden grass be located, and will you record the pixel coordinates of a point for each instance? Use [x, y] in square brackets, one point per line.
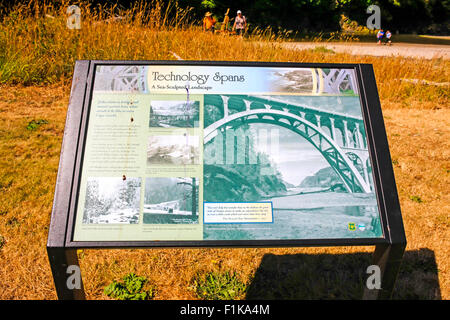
[36, 49]
[419, 142]
[417, 120]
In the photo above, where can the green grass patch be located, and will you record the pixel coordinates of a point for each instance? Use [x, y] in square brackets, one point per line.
[219, 286]
[132, 287]
[322, 49]
[34, 124]
[416, 199]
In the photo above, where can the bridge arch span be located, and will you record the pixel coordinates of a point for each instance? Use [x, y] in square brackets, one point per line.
[329, 149]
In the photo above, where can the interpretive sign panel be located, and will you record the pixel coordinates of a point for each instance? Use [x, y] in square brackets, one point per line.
[193, 154]
[176, 152]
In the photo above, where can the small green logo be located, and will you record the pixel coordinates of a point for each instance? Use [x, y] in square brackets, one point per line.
[351, 226]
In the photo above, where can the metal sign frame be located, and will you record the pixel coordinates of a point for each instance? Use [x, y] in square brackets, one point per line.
[62, 249]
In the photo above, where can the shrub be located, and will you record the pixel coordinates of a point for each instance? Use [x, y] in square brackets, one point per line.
[34, 124]
[132, 288]
[219, 286]
[416, 199]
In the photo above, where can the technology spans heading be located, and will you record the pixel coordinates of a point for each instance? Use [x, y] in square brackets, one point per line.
[198, 78]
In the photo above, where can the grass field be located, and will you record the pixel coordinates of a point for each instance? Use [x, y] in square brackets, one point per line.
[36, 62]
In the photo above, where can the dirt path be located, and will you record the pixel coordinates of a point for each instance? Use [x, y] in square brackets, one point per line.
[427, 51]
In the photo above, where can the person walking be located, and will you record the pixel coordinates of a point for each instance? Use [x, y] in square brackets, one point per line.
[380, 36]
[240, 23]
[388, 38]
[209, 22]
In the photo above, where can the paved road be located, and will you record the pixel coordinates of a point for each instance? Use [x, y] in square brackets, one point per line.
[427, 51]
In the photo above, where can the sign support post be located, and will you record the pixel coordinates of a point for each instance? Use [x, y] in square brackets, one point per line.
[61, 260]
[388, 257]
[61, 257]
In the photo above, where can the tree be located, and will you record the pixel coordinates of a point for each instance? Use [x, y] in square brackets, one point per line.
[128, 193]
[194, 191]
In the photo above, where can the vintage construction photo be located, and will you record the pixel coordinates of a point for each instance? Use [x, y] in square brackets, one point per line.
[112, 200]
[174, 114]
[334, 81]
[171, 200]
[173, 150]
[306, 155]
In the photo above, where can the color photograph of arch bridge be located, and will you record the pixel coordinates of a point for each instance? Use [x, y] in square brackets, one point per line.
[308, 155]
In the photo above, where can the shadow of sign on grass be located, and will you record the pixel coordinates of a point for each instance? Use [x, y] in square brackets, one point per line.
[342, 276]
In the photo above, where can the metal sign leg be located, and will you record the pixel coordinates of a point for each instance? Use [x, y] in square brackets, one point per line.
[388, 258]
[66, 273]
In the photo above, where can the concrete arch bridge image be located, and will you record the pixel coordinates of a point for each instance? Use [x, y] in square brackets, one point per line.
[340, 138]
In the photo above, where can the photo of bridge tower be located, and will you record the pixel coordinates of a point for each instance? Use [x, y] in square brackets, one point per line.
[306, 154]
[174, 114]
[171, 200]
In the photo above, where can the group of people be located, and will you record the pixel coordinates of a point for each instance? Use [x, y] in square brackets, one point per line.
[384, 37]
[239, 25]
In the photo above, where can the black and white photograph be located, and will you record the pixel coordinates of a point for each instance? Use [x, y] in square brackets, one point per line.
[171, 200]
[174, 114]
[112, 200]
[173, 150]
[309, 160]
